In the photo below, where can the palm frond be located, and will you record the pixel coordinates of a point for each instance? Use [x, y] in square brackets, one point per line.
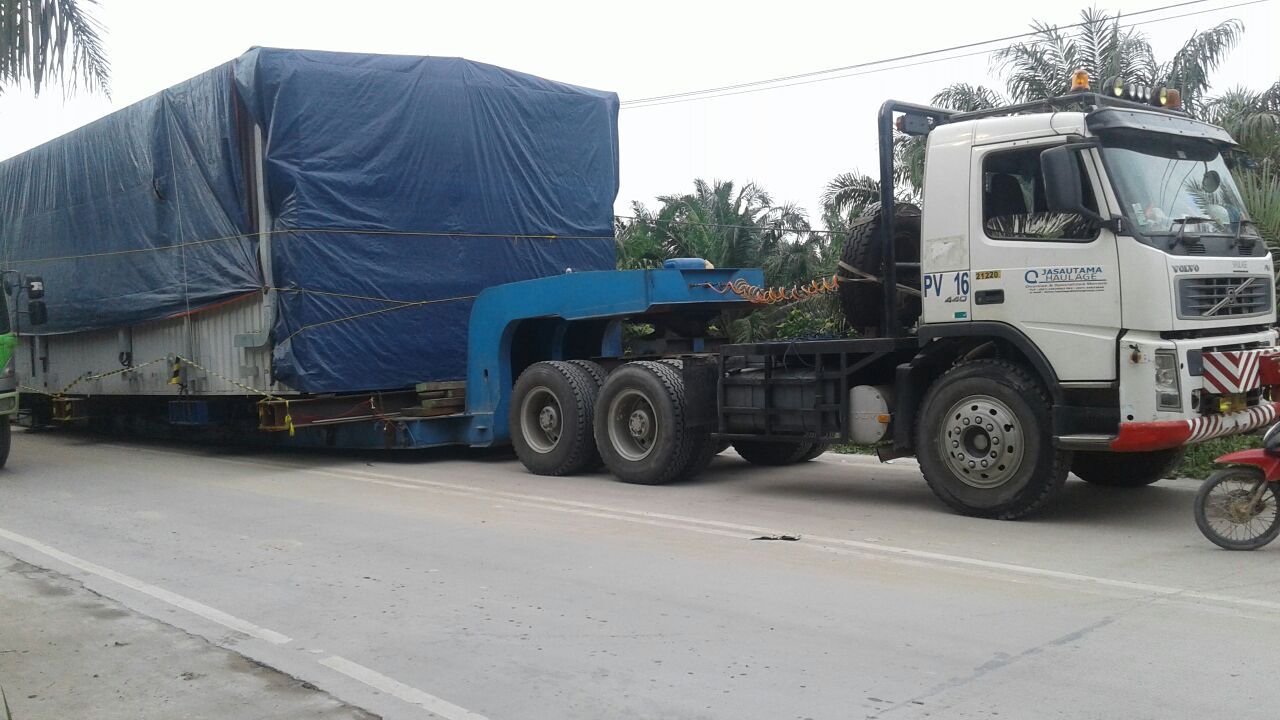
[43, 41]
[1191, 66]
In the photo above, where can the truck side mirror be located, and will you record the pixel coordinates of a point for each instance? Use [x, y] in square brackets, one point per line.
[1063, 180]
[37, 313]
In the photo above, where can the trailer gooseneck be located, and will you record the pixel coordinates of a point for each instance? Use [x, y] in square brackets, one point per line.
[1081, 292]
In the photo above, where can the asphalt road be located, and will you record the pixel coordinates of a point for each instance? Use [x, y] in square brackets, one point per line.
[456, 585]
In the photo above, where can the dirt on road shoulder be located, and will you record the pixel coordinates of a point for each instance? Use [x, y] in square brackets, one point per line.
[66, 652]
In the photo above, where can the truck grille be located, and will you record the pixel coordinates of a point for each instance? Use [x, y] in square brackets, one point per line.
[1202, 298]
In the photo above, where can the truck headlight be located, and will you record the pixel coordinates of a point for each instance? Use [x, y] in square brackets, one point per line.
[1168, 387]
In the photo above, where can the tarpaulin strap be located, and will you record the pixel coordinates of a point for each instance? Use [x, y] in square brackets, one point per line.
[864, 276]
[288, 418]
[87, 377]
[349, 296]
[299, 231]
[399, 306]
[224, 378]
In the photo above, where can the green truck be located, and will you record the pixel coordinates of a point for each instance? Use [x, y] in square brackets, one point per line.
[36, 314]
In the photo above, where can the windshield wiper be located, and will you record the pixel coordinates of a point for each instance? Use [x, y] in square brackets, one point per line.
[1253, 239]
[1182, 228]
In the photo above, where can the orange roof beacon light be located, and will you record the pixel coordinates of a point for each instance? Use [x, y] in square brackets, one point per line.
[1172, 99]
[1080, 81]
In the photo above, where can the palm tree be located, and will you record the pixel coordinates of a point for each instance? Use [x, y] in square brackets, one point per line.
[1253, 119]
[1042, 67]
[43, 41]
[735, 225]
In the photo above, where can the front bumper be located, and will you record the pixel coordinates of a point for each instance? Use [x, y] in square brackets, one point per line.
[1161, 435]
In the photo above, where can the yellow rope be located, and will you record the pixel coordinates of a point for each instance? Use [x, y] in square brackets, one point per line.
[757, 295]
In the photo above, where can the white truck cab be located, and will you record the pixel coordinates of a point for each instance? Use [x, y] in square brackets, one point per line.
[1157, 292]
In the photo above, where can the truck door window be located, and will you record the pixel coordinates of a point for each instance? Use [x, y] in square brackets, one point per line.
[1013, 201]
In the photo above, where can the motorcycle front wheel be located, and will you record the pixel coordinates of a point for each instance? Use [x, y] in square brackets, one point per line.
[1237, 509]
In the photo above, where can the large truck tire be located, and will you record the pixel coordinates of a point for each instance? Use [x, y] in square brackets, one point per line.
[984, 441]
[761, 452]
[6, 438]
[1125, 470]
[551, 417]
[641, 427]
[863, 301]
[817, 449]
[592, 368]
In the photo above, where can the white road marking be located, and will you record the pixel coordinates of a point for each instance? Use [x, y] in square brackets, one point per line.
[172, 598]
[355, 671]
[718, 527]
[399, 690]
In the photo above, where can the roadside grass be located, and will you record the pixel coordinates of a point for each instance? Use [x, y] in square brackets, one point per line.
[1197, 463]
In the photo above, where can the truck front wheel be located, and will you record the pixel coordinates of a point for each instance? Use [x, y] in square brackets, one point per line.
[984, 441]
[642, 426]
[6, 438]
[552, 409]
[1125, 470]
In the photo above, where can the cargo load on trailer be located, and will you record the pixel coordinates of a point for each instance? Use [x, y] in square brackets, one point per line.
[299, 221]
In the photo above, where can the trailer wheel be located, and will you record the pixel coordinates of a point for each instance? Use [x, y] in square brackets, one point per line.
[641, 425]
[1125, 470]
[552, 407]
[862, 300]
[984, 441]
[761, 452]
[6, 439]
[818, 449]
[592, 368]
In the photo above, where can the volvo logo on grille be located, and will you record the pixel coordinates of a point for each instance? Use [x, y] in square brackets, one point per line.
[1186, 268]
[1232, 296]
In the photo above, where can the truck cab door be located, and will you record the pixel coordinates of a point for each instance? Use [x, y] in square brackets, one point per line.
[1052, 276]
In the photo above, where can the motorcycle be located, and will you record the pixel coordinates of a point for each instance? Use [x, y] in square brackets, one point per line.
[1238, 507]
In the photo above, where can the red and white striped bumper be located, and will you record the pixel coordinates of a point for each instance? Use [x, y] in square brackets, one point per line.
[1145, 436]
[1239, 371]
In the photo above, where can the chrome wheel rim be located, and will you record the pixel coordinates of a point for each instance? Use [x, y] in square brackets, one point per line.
[1233, 514]
[541, 419]
[633, 425]
[982, 442]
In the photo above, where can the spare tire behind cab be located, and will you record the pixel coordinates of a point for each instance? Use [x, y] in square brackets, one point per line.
[862, 300]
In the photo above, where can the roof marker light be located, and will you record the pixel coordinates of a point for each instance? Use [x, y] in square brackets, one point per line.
[1080, 81]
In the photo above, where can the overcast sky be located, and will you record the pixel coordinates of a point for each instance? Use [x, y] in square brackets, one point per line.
[791, 140]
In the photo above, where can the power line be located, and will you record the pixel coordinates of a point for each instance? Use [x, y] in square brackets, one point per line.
[826, 75]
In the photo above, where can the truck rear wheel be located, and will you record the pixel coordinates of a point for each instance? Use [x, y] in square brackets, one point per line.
[641, 425]
[985, 444]
[551, 416]
[817, 449]
[761, 452]
[1125, 470]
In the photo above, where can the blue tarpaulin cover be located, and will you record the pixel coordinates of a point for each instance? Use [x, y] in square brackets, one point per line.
[398, 188]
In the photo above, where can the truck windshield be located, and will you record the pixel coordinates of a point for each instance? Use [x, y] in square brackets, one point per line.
[1176, 187]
